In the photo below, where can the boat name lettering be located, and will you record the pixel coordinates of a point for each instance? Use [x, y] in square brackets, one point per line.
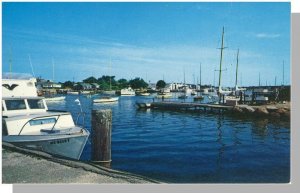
[60, 141]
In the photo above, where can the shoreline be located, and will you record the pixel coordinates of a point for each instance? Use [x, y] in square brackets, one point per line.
[21, 165]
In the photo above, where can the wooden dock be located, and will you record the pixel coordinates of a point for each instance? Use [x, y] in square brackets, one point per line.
[189, 105]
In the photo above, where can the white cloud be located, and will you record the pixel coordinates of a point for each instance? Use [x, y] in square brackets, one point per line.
[265, 35]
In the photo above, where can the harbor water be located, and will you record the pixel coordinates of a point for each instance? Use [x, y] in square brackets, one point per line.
[190, 147]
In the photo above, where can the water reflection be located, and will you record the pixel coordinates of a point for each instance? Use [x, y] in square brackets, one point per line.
[219, 148]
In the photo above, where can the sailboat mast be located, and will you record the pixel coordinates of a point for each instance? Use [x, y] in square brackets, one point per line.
[184, 76]
[283, 73]
[237, 65]
[220, 71]
[200, 75]
[110, 73]
[52, 70]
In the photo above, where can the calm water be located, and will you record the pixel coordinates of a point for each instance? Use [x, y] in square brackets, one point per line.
[181, 147]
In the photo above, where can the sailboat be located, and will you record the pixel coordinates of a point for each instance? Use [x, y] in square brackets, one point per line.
[184, 95]
[220, 91]
[199, 97]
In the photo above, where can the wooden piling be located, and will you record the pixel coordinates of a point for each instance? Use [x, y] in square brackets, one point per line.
[101, 137]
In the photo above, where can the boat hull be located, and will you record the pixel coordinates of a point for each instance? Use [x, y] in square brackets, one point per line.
[109, 100]
[66, 145]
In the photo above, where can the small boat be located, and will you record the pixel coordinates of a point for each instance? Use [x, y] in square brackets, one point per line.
[198, 98]
[106, 99]
[143, 94]
[143, 105]
[58, 98]
[127, 92]
[27, 122]
[73, 92]
[193, 92]
[163, 95]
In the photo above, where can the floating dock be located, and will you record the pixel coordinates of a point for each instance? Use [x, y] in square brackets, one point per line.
[270, 110]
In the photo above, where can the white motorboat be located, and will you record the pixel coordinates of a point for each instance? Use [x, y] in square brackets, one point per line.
[106, 99]
[127, 92]
[27, 122]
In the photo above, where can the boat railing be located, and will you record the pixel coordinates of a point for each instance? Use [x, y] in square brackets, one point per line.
[37, 118]
[83, 119]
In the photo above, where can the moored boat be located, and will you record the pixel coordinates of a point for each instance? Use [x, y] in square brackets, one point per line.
[106, 99]
[127, 92]
[27, 122]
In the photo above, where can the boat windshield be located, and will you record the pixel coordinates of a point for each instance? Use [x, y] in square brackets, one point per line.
[35, 103]
[15, 104]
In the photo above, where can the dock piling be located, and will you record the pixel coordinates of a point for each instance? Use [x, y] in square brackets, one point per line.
[101, 137]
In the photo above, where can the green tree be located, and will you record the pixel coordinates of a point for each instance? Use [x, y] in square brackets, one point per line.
[138, 83]
[67, 84]
[90, 80]
[160, 84]
[122, 83]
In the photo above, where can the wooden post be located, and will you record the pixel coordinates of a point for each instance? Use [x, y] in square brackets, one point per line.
[101, 136]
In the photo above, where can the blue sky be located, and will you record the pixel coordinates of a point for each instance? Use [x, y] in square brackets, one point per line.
[148, 40]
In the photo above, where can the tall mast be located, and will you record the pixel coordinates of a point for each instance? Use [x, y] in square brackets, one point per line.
[259, 79]
[237, 65]
[222, 48]
[200, 74]
[109, 73]
[52, 70]
[283, 73]
[184, 76]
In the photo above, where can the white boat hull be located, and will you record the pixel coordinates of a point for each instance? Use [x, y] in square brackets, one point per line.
[55, 98]
[66, 145]
[104, 100]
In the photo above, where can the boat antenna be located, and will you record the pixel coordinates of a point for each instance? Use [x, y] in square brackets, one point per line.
[31, 65]
[221, 57]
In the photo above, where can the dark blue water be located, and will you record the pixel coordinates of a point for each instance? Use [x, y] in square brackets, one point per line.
[186, 147]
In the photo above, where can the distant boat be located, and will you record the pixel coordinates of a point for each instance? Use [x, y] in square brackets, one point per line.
[106, 99]
[193, 92]
[163, 95]
[198, 98]
[73, 92]
[55, 98]
[127, 92]
[142, 94]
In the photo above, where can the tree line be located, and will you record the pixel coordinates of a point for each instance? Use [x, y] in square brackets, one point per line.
[108, 83]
